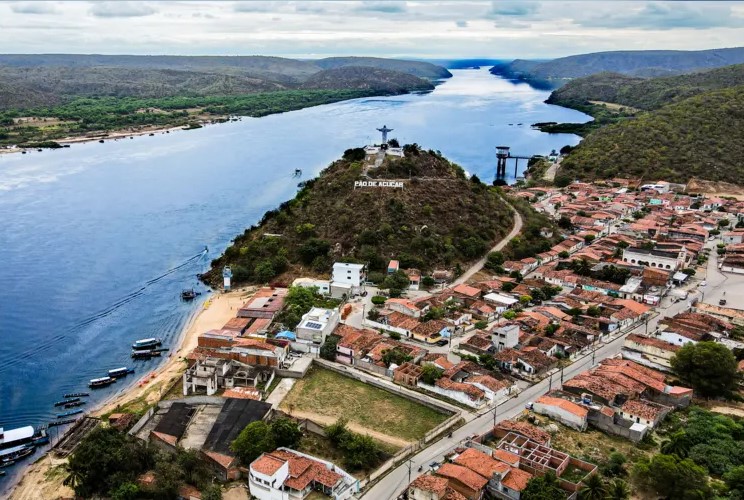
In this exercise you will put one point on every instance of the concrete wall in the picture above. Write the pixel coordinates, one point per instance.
(557, 413)
(616, 426)
(458, 396)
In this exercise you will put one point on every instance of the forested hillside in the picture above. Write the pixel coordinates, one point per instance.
(358, 77)
(439, 218)
(646, 63)
(644, 93)
(697, 137)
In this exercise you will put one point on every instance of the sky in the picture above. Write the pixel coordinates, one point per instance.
(391, 28)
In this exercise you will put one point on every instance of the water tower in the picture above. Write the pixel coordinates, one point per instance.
(502, 153)
(226, 276)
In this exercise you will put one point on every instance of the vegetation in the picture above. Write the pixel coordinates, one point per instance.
(331, 395)
(428, 223)
(530, 241)
(708, 367)
(543, 488)
(300, 300)
(359, 450)
(261, 437)
(108, 463)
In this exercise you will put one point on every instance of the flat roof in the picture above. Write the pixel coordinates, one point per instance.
(11, 435)
(174, 422)
(235, 415)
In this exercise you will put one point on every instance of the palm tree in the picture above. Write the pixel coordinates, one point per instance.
(677, 444)
(618, 489)
(593, 488)
(74, 477)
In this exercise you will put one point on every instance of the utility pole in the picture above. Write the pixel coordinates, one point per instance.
(495, 410)
(409, 464)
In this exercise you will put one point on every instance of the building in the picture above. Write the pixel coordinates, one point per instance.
(316, 325)
(661, 259)
(286, 474)
(467, 482)
(428, 487)
(347, 279)
(265, 303)
(505, 337)
(566, 412)
(323, 286)
(208, 375)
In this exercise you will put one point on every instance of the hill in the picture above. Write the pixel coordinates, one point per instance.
(557, 72)
(695, 137)
(439, 218)
(358, 77)
(644, 93)
(415, 68)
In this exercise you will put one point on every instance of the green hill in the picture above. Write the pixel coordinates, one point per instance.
(415, 68)
(358, 77)
(644, 93)
(439, 218)
(696, 137)
(558, 72)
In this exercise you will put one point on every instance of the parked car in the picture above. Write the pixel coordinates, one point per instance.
(722, 302)
(442, 342)
(529, 405)
(703, 283)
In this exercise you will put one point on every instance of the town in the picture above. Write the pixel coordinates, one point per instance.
(419, 385)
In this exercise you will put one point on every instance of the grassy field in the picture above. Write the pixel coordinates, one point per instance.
(329, 394)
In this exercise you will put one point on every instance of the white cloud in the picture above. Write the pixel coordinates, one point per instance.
(461, 24)
(33, 8)
(121, 9)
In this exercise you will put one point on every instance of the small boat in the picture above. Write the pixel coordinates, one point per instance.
(146, 343)
(66, 402)
(69, 413)
(16, 454)
(189, 294)
(2, 472)
(76, 395)
(120, 372)
(298, 172)
(74, 405)
(101, 141)
(101, 382)
(62, 422)
(140, 354)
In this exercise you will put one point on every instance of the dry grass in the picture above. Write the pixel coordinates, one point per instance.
(332, 395)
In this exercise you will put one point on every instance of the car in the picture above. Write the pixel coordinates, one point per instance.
(703, 283)
(722, 302)
(442, 342)
(529, 405)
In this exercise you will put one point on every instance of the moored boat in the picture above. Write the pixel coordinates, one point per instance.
(69, 413)
(120, 372)
(189, 294)
(76, 395)
(66, 402)
(73, 405)
(147, 343)
(101, 382)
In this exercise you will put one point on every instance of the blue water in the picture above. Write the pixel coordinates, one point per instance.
(89, 234)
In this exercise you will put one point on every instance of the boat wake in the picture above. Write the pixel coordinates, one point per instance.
(17, 358)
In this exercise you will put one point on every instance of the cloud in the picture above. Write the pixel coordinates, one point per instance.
(204, 15)
(121, 9)
(251, 6)
(461, 24)
(33, 8)
(390, 7)
(667, 16)
(514, 8)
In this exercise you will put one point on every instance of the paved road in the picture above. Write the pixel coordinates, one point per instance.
(500, 245)
(395, 482)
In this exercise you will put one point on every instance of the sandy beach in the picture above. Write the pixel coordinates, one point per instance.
(43, 479)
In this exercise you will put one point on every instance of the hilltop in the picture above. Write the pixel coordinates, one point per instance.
(359, 77)
(695, 137)
(644, 93)
(643, 63)
(439, 218)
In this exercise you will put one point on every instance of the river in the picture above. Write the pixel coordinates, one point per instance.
(98, 240)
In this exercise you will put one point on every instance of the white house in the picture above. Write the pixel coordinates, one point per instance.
(286, 474)
(655, 258)
(323, 286)
(505, 337)
(316, 325)
(566, 412)
(347, 279)
(499, 301)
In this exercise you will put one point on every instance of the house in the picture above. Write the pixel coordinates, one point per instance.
(494, 389)
(209, 374)
(407, 307)
(644, 412)
(323, 286)
(468, 483)
(291, 475)
(429, 487)
(534, 363)
(505, 337)
(408, 374)
(500, 302)
(479, 343)
(393, 266)
(265, 303)
(466, 394)
(316, 325)
(660, 259)
(649, 351)
(414, 279)
(566, 412)
(347, 279)
(466, 294)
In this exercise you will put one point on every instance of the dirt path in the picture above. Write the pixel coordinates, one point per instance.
(552, 170)
(501, 244)
(326, 420)
(37, 483)
(727, 410)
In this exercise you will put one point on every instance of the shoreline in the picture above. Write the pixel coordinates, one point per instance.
(37, 481)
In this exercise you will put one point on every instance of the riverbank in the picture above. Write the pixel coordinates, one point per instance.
(43, 479)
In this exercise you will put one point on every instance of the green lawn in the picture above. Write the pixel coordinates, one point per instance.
(331, 395)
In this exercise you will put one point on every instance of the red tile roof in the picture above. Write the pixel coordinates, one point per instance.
(469, 478)
(479, 462)
(431, 484)
(564, 404)
(516, 479)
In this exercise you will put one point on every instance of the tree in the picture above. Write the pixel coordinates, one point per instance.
(563, 254)
(589, 238)
(615, 465)
(481, 325)
(212, 492)
(593, 488)
(689, 271)
(393, 143)
(396, 281)
(126, 491)
(494, 260)
(428, 282)
(252, 441)
(525, 299)
(510, 315)
(671, 477)
(543, 488)
(378, 300)
(709, 367)
(734, 479)
(617, 489)
(508, 286)
(285, 432)
(593, 311)
(328, 349)
(360, 450)
(354, 154)
(264, 271)
(430, 374)
(565, 223)
(312, 249)
(395, 356)
(678, 444)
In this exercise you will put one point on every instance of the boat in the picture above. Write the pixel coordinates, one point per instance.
(66, 402)
(41, 436)
(189, 294)
(13, 440)
(298, 172)
(76, 395)
(142, 354)
(101, 382)
(146, 343)
(62, 422)
(120, 372)
(73, 405)
(69, 413)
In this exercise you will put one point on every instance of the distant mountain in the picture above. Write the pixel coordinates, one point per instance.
(695, 137)
(359, 77)
(416, 68)
(555, 73)
(644, 93)
(45, 79)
